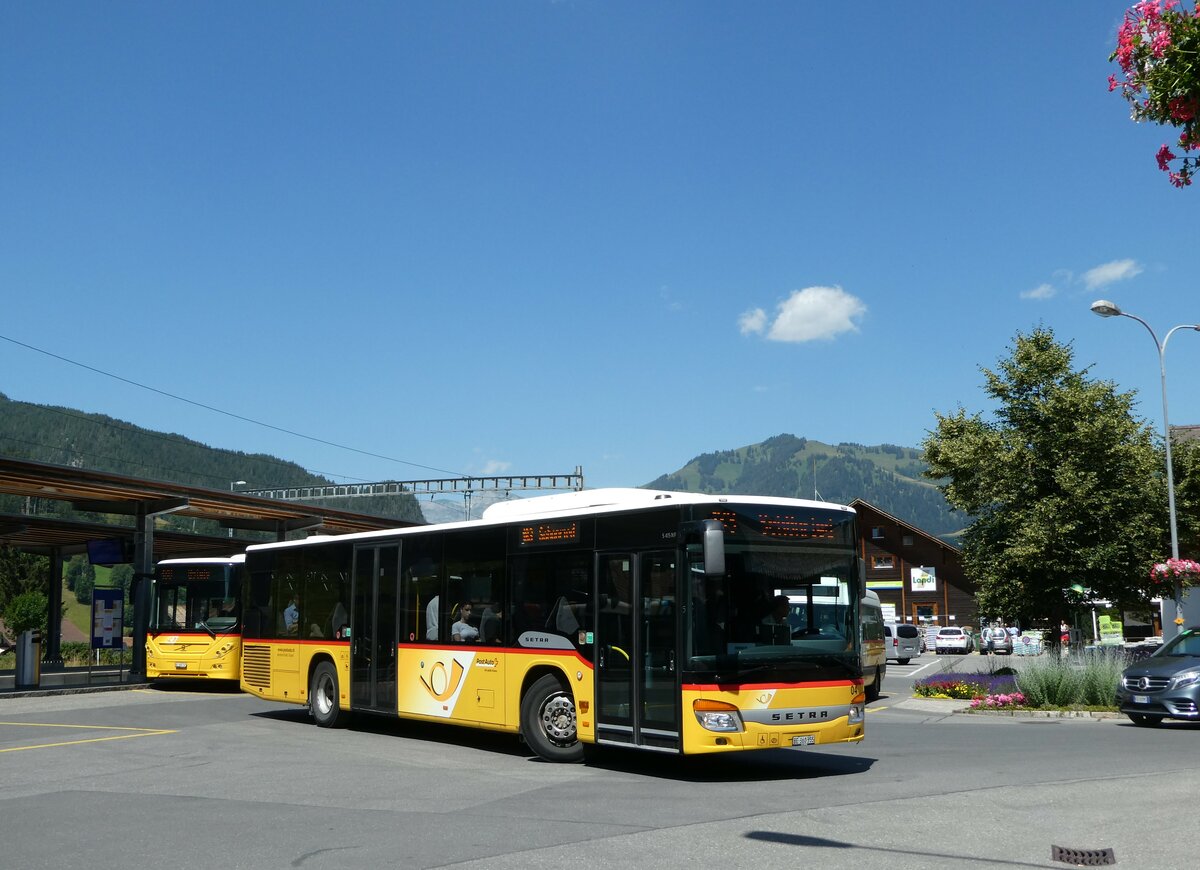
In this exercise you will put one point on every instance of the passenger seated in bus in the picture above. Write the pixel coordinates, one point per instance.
(431, 619)
(290, 615)
(462, 631)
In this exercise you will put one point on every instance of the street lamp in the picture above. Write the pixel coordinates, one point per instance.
(232, 484)
(1104, 308)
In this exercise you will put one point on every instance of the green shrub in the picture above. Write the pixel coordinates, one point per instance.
(1063, 682)
(26, 611)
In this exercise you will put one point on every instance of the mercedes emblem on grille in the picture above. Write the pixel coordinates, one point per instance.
(1144, 683)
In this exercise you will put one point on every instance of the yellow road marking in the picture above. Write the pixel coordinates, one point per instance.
(140, 732)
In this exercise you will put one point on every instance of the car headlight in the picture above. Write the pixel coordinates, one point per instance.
(1184, 679)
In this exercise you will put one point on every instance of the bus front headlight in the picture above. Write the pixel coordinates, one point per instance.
(856, 714)
(717, 715)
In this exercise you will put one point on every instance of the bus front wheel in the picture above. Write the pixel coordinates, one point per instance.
(876, 685)
(323, 697)
(548, 721)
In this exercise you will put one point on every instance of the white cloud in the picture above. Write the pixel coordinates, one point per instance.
(754, 320)
(808, 315)
(1110, 273)
(493, 467)
(1042, 291)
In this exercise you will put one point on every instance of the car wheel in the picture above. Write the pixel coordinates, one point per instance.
(903, 661)
(1145, 721)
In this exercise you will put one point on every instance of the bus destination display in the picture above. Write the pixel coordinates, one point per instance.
(550, 533)
(777, 524)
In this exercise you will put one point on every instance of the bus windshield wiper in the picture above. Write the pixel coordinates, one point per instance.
(204, 625)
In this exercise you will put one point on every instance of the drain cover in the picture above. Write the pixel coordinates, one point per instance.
(1083, 857)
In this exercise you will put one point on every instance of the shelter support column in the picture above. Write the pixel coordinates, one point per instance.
(143, 570)
(52, 645)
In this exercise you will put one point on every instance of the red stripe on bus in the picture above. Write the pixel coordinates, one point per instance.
(754, 687)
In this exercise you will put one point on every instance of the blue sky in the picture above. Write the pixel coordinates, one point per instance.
(513, 238)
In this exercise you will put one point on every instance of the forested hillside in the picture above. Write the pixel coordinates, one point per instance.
(64, 436)
(889, 477)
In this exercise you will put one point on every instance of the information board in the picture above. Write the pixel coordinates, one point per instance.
(107, 609)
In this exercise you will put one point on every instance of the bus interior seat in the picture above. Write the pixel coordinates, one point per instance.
(489, 626)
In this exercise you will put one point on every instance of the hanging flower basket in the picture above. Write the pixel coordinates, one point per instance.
(1157, 47)
(1186, 571)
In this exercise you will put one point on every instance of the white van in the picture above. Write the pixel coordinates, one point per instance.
(903, 641)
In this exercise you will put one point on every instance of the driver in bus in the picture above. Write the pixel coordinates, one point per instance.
(776, 628)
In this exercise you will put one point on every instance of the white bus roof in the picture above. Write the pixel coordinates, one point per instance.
(590, 500)
(565, 505)
(207, 560)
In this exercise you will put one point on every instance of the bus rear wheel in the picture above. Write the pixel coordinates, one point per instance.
(548, 721)
(323, 697)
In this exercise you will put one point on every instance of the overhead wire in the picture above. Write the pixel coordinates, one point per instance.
(122, 426)
(229, 413)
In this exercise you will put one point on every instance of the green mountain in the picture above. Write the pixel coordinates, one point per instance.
(889, 477)
(42, 433)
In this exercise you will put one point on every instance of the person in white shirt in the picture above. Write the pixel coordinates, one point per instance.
(462, 630)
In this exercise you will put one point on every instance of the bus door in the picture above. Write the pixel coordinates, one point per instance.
(637, 678)
(373, 628)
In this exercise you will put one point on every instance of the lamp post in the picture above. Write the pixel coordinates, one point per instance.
(232, 484)
(1104, 308)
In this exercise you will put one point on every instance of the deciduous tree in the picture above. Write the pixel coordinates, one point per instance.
(1063, 485)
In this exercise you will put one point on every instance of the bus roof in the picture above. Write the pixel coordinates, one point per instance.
(566, 505)
(207, 560)
(595, 500)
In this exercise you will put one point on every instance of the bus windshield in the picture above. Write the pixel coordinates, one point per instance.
(784, 608)
(195, 598)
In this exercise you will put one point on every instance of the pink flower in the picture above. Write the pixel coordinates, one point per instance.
(1164, 158)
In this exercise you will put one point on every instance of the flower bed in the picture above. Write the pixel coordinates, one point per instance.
(998, 702)
(964, 687)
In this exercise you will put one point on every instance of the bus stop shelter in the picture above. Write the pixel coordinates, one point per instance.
(144, 501)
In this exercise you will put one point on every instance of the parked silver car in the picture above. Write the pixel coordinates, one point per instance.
(997, 640)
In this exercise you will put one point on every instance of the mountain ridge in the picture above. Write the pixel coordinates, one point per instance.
(890, 477)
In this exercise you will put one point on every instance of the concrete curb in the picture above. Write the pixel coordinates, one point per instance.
(950, 706)
(1048, 714)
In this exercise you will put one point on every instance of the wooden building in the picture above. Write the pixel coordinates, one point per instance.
(918, 577)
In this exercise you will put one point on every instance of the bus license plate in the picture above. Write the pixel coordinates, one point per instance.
(181, 666)
(1141, 699)
(805, 740)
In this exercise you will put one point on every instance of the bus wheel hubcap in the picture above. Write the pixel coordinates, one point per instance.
(558, 719)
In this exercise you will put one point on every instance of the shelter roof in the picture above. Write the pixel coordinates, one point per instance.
(101, 492)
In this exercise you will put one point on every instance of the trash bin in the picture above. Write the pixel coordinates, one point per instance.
(29, 659)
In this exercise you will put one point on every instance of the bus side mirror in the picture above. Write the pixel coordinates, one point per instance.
(713, 542)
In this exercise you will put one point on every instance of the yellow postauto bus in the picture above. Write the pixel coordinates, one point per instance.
(195, 627)
(604, 617)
